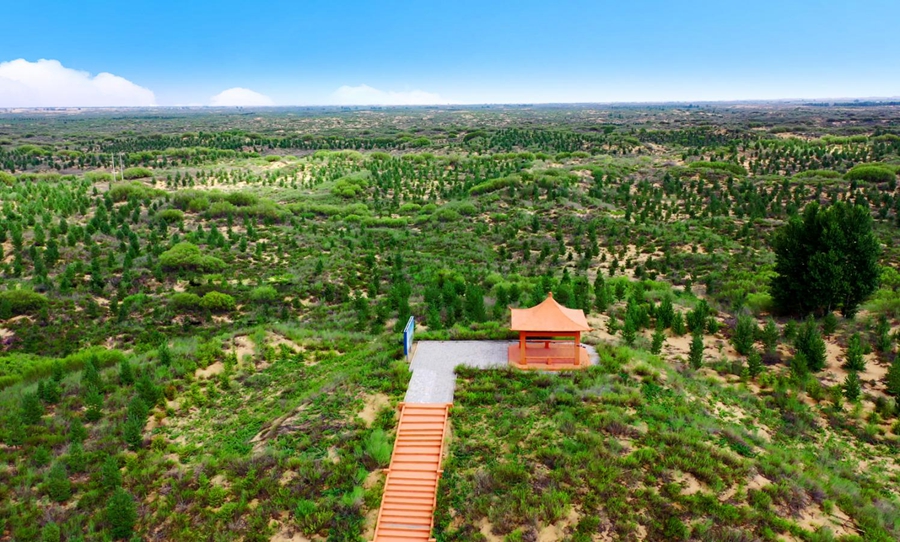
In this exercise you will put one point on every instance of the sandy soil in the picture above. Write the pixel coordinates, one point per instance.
(372, 404)
(212, 370)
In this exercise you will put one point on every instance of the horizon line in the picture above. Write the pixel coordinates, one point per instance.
(798, 101)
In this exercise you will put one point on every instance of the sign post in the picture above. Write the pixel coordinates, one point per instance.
(408, 337)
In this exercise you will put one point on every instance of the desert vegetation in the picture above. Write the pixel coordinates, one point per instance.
(202, 343)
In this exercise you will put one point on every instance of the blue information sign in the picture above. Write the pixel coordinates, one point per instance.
(408, 336)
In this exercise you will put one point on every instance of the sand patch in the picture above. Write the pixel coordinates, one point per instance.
(286, 477)
(242, 347)
(813, 517)
(689, 483)
(486, 529)
(370, 524)
(758, 482)
(213, 370)
(333, 455)
(557, 531)
(372, 404)
(373, 479)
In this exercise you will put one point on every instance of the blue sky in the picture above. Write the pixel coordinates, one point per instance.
(300, 53)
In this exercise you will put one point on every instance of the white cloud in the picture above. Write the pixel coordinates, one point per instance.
(47, 83)
(238, 96)
(366, 95)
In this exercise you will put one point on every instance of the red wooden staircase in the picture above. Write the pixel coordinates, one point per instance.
(410, 490)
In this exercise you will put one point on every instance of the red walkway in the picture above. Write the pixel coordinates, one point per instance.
(410, 491)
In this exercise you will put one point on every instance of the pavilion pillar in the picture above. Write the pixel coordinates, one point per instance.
(575, 346)
(522, 338)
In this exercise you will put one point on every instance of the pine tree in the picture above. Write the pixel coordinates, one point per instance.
(809, 342)
(770, 336)
(852, 387)
(31, 408)
(799, 366)
(629, 330)
(15, 429)
(133, 431)
(76, 459)
(474, 304)
(893, 378)
(855, 360)
(91, 376)
(678, 324)
(126, 372)
(659, 338)
(744, 335)
(883, 334)
(164, 354)
(57, 485)
(77, 431)
(666, 313)
(602, 298)
(150, 392)
(696, 353)
(754, 363)
(121, 513)
(93, 400)
(110, 475)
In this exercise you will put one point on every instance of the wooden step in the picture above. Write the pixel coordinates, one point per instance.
(410, 488)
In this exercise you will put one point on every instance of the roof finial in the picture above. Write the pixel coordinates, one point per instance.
(550, 295)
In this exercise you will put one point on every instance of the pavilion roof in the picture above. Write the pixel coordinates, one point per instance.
(549, 316)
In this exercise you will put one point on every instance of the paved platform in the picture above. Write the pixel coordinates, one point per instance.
(433, 379)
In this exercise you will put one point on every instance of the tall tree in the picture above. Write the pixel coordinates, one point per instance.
(825, 260)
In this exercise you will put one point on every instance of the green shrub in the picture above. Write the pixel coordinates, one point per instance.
(198, 204)
(378, 449)
(241, 199)
(492, 185)
(137, 173)
(220, 209)
(99, 177)
(731, 167)
(51, 533)
(187, 257)
(7, 178)
(310, 518)
(184, 301)
(170, 215)
(217, 302)
(126, 191)
(264, 295)
(17, 367)
(21, 301)
(352, 185)
(871, 174)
